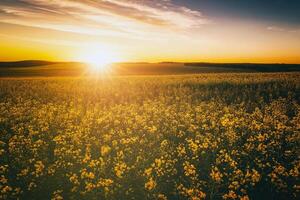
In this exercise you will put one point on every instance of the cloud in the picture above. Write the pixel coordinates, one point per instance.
(280, 29)
(275, 28)
(121, 18)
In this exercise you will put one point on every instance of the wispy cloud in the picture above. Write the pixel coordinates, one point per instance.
(280, 29)
(124, 18)
(275, 28)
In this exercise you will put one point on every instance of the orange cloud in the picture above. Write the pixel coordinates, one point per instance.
(106, 17)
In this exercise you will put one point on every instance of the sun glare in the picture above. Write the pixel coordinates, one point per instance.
(99, 61)
(98, 58)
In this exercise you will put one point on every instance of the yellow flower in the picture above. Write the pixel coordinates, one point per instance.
(216, 175)
(189, 169)
(255, 176)
(74, 179)
(105, 150)
(150, 185)
(148, 171)
(201, 195)
(31, 186)
(105, 182)
(85, 174)
(181, 150)
(120, 169)
(39, 167)
(230, 195)
(3, 180)
(89, 186)
(245, 198)
(57, 195)
(161, 197)
(6, 189)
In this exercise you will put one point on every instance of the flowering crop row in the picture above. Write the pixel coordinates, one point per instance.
(210, 136)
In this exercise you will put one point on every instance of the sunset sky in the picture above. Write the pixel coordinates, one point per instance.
(151, 30)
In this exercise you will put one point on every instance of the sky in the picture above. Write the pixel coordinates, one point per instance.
(261, 31)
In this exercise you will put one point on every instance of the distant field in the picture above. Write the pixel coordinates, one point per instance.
(48, 69)
(60, 69)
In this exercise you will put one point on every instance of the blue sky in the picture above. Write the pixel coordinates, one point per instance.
(274, 11)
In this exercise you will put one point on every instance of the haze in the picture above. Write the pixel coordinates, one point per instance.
(151, 30)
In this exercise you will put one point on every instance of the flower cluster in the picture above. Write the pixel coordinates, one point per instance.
(209, 136)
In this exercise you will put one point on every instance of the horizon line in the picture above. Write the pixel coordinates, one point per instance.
(146, 62)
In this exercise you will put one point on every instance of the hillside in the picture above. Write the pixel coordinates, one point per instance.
(50, 69)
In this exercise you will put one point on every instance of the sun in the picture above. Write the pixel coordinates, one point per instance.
(98, 58)
(99, 61)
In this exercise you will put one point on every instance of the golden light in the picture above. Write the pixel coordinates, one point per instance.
(98, 58)
(99, 62)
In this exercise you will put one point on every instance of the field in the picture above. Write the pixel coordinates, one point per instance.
(204, 136)
(72, 69)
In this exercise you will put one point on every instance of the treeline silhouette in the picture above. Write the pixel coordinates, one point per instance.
(256, 67)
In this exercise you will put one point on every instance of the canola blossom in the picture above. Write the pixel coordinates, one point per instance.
(208, 136)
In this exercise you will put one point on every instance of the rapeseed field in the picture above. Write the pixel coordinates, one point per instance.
(206, 136)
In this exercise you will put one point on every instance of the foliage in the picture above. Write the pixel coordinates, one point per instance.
(210, 136)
